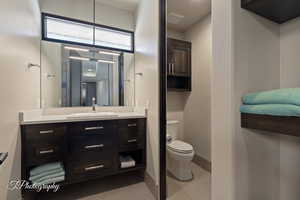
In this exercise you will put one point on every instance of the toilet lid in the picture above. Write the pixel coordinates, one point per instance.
(180, 147)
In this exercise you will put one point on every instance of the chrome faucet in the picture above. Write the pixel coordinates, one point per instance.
(94, 103)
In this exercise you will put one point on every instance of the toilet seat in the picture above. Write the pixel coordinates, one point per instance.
(180, 147)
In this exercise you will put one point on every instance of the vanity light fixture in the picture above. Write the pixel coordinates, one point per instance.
(109, 53)
(106, 61)
(77, 49)
(79, 58)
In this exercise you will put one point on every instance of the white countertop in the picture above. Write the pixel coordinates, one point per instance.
(27, 118)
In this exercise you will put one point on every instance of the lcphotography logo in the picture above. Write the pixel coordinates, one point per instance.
(22, 184)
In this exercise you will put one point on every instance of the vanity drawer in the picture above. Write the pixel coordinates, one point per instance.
(91, 144)
(44, 132)
(131, 133)
(91, 169)
(37, 154)
(104, 128)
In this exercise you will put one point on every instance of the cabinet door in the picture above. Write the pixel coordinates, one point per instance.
(179, 58)
(181, 61)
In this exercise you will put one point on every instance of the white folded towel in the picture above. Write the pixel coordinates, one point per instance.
(127, 162)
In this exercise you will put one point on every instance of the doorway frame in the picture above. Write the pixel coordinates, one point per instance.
(162, 99)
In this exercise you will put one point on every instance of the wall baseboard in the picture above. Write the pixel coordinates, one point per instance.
(150, 182)
(202, 162)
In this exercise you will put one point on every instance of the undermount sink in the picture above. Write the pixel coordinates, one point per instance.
(92, 115)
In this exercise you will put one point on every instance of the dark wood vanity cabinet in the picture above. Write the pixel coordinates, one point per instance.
(43, 143)
(179, 65)
(88, 150)
(131, 134)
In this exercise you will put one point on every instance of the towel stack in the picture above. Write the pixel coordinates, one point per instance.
(127, 162)
(47, 174)
(281, 102)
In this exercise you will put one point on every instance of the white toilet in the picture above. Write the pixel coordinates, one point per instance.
(179, 154)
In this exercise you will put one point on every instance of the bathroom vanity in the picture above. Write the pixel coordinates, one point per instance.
(89, 148)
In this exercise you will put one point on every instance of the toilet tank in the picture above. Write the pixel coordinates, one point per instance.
(173, 129)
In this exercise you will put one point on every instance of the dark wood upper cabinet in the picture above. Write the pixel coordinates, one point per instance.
(179, 57)
(278, 11)
(179, 65)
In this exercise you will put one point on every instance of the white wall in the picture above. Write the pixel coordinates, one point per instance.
(264, 56)
(197, 110)
(175, 109)
(256, 68)
(289, 54)
(83, 10)
(129, 78)
(186, 107)
(51, 62)
(175, 34)
(114, 17)
(147, 85)
(176, 100)
(19, 89)
(222, 96)
(289, 77)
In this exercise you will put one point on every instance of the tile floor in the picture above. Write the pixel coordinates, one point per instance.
(197, 189)
(128, 187)
(122, 187)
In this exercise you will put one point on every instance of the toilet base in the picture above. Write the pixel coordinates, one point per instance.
(174, 177)
(181, 169)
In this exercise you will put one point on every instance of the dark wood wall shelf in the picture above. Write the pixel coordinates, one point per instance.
(276, 124)
(279, 11)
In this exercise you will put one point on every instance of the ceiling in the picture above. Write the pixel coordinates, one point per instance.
(129, 5)
(186, 13)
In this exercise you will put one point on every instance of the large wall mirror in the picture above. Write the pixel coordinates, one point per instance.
(87, 53)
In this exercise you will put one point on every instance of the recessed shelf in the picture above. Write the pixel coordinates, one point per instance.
(276, 124)
(179, 84)
(279, 11)
(137, 167)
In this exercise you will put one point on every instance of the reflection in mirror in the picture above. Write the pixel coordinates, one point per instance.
(73, 75)
(189, 68)
(79, 64)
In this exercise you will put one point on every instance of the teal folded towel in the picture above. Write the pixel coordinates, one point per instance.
(280, 96)
(50, 172)
(50, 181)
(272, 109)
(46, 177)
(44, 168)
